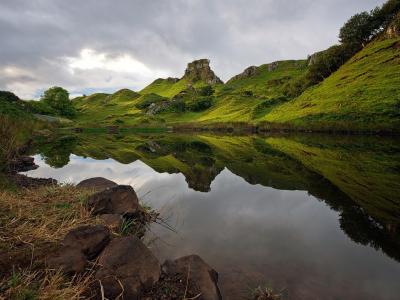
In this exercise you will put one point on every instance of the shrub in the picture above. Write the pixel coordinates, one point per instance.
(201, 104)
(8, 96)
(207, 91)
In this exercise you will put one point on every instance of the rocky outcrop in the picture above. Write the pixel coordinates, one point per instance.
(121, 200)
(127, 267)
(200, 70)
(200, 273)
(96, 183)
(249, 72)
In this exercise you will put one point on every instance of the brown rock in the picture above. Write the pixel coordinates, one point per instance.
(200, 273)
(112, 221)
(128, 262)
(120, 200)
(69, 260)
(97, 183)
(90, 240)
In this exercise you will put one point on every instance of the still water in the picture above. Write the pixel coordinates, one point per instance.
(313, 217)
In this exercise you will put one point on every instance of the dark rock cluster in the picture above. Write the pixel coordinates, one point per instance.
(124, 267)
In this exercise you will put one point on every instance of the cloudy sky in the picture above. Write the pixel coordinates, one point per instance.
(104, 45)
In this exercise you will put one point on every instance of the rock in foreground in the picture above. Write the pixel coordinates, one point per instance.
(128, 262)
(200, 273)
(121, 200)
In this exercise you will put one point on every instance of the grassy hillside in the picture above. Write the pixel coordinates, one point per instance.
(363, 94)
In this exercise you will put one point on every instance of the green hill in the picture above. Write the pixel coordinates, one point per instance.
(363, 94)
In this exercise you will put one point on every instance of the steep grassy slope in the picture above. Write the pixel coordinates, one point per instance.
(363, 94)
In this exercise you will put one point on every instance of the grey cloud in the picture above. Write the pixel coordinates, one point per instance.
(37, 35)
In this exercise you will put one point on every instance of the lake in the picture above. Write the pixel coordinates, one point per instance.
(316, 217)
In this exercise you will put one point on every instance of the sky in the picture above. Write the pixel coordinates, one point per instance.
(105, 45)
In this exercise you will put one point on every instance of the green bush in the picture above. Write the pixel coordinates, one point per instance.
(207, 91)
(200, 104)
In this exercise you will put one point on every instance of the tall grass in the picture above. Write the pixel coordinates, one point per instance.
(9, 139)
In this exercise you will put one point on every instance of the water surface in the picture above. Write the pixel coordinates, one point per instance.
(315, 217)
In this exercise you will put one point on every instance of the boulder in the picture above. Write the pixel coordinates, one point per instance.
(112, 221)
(97, 183)
(120, 199)
(200, 274)
(69, 260)
(23, 164)
(127, 267)
(90, 240)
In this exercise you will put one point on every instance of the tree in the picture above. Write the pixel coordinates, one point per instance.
(58, 99)
(8, 96)
(358, 30)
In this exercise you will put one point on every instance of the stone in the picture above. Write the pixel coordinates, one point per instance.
(120, 199)
(200, 274)
(97, 183)
(23, 164)
(112, 221)
(200, 70)
(248, 72)
(90, 240)
(128, 262)
(69, 260)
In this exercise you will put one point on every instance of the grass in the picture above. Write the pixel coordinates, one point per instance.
(363, 94)
(32, 223)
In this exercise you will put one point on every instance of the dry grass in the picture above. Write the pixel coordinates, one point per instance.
(8, 138)
(32, 222)
(44, 285)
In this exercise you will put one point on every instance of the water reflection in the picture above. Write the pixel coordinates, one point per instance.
(260, 209)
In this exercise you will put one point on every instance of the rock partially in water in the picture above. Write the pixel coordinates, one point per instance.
(23, 164)
(120, 199)
(30, 182)
(128, 262)
(97, 183)
(200, 274)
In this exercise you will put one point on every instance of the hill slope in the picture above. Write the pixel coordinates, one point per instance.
(363, 94)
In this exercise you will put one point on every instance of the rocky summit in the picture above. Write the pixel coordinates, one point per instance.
(200, 70)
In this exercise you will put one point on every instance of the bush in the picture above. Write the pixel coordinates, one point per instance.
(8, 96)
(207, 91)
(178, 105)
(201, 104)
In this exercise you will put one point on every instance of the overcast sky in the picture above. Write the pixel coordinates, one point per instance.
(88, 46)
